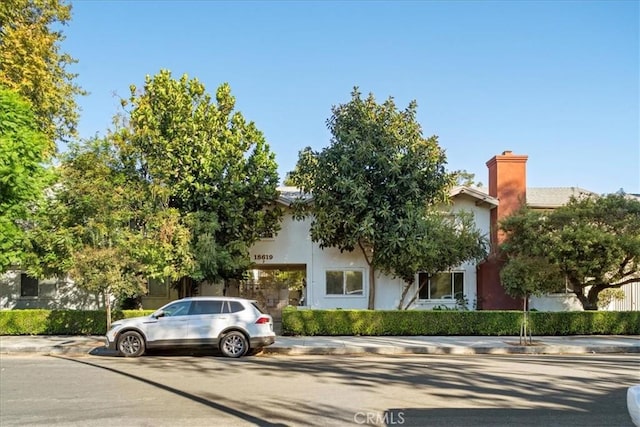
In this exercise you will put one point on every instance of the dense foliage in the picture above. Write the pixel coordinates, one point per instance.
(32, 64)
(204, 160)
(59, 322)
(450, 322)
(24, 154)
(355, 322)
(181, 189)
(592, 243)
(376, 188)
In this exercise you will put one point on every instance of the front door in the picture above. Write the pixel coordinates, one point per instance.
(172, 327)
(207, 320)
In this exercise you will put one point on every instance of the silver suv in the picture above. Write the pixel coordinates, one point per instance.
(233, 325)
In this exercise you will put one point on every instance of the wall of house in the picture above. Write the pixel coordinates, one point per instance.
(293, 245)
(52, 294)
(555, 302)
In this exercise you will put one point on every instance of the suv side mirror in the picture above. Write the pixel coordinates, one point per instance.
(158, 314)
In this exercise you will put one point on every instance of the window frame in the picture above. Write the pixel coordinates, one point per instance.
(23, 278)
(427, 286)
(345, 293)
(186, 312)
(157, 283)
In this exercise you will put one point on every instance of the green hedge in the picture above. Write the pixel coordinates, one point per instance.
(356, 322)
(60, 322)
(445, 322)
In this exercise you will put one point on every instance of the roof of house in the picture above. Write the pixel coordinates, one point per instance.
(289, 194)
(475, 193)
(554, 197)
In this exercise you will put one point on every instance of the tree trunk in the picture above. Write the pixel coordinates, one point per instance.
(372, 276)
(414, 298)
(372, 288)
(592, 296)
(405, 291)
(590, 301)
(107, 304)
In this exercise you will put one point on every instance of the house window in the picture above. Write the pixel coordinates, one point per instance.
(345, 282)
(28, 286)
(157, 288)
(449, 285)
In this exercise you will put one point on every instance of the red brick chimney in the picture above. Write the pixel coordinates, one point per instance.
(507, 183)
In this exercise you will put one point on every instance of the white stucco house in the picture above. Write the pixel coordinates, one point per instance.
(340, 280)
(331, 279)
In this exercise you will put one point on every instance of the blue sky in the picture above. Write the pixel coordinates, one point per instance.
(556, 80)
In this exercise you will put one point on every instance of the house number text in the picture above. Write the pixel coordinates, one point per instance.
(263, 257)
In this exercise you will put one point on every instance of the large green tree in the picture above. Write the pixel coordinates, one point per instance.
(593, 243)
(212, 166)
(373, 186)
(24, 154)
(32, 63)
(103, 226)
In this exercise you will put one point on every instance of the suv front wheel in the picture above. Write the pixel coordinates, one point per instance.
(131, 344)
(234, 344)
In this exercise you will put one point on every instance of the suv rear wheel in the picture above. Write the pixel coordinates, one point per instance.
(234, 344)
(131, 344)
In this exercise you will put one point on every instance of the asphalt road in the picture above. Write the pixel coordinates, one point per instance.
(186, 390)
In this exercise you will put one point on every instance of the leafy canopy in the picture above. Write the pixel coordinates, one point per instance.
(592, 242)
(373, 186)
(32, 64)
(24, 154)
(102, 226)
(207, 162)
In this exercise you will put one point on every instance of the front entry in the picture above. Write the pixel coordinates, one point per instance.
(273, 287)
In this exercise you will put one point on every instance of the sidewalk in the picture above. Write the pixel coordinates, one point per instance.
(343, 345)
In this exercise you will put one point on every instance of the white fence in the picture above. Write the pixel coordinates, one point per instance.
(631, 301)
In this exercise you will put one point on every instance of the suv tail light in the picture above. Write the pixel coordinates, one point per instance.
(262, 320)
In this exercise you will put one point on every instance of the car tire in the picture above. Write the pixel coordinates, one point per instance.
(234, 344)
(131, 344)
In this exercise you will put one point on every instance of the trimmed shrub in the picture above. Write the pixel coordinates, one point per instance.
(449, 322)
(356, 322)
(60, 322)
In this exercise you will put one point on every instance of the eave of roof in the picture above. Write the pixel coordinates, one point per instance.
(287, 195)
(480, 196)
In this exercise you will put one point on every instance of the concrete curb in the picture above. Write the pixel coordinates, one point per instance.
(344, 346)
(457, 351)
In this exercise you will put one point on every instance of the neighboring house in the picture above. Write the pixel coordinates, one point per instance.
(291, 269)
(18, 291)
(546, 199)
(507, 183)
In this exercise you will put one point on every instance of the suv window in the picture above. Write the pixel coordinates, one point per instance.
(180, 308)
(206, 307)
(232, 307)
(257, 308)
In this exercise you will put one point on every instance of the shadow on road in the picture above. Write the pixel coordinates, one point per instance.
(210, 402)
